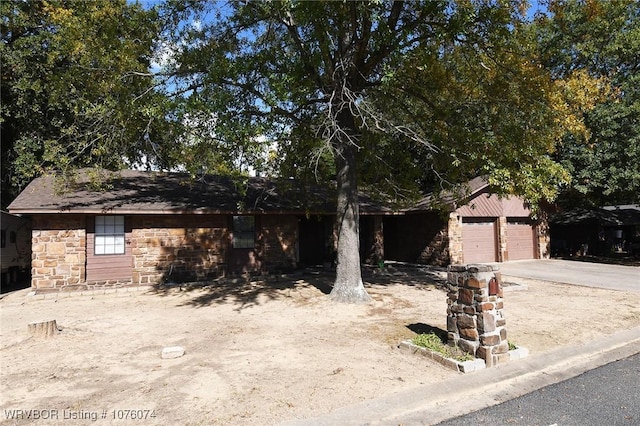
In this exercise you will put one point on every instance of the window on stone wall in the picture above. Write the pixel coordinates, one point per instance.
(244, 231)
(109, 235)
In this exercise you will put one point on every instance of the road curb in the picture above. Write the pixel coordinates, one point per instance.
(431, 404)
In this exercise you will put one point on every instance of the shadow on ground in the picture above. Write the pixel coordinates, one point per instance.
(249, 291)
(408, 274)
(244, 291)
(422, 328)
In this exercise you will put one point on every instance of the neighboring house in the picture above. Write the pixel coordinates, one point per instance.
(596, 231)
(15, 247)
(147, 228)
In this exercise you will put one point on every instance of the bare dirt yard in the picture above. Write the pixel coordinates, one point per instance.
(256, 352)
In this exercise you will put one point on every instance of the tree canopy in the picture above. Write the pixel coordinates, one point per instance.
(393, 95)
(76, 87)
(400, 97)
(601, 39)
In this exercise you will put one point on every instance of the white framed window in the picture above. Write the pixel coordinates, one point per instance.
(109, 235)
(244, 231)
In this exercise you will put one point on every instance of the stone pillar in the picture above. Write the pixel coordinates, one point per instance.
(454, 234)
(378, 246)
(475, 320)
(503, 249)
(543, 239)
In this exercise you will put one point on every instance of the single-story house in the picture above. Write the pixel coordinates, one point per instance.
(145, 228)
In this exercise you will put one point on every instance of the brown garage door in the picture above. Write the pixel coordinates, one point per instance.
(479, 242)
(520, 241)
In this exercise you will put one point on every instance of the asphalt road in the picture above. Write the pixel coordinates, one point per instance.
(613, 277)
(607, 395)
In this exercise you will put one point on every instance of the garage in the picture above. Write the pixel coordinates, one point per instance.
(520, 240)
(479, 240)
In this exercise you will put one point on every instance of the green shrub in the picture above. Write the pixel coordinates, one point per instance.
(432, 342)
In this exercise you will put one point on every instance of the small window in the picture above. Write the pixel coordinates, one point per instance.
(244, 231)
(109, 236)
(3, 239)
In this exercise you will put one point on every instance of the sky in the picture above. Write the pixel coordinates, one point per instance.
(535, 5)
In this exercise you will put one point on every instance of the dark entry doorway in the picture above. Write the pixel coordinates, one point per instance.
(314, 241)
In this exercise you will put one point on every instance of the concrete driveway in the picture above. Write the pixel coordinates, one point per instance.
(613, 277)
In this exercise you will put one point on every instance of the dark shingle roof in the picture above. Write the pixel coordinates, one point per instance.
(139, 192)
(595, 216)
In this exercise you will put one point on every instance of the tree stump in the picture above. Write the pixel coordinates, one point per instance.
(43, 328)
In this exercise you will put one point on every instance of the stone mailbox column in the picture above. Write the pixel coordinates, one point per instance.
(475, 320)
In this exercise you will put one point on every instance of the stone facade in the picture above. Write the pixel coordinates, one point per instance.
(164, 248)
(475, 318)
(178, 248)
(276, 243)
(417, 238)
(371, 239)
(503, 246)
(58, 251)
(195, 247)
(543, 238)
(454, 231)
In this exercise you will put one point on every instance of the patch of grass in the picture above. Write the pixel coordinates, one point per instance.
(432, 342)
(512, 346)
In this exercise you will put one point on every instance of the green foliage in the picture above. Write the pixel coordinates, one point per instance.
(489, 108)
(436, 93)
(432, 342)
(600, 38)
(394, 96)
(76, 87)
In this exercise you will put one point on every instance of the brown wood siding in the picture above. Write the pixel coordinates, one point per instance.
(482, 205)
(479, 241)
(515, 207)
(520, 241)
(490, 205)
(108, 267)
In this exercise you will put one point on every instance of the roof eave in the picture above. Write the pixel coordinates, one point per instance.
(187, 211)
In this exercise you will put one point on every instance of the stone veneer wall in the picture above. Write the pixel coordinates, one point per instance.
(503, 254)
(371, 240)
(543, 239)
(417, 238)
(276, 243)
(178, 248)
(454, 230)
(164, 247)
(376, 253)
(58, 246)
(475, 318)
(437, 252)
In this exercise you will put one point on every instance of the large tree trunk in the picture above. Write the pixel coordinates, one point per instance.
(348, 287)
